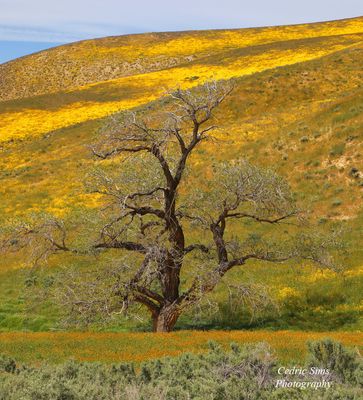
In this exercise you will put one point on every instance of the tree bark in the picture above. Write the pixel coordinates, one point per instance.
(165, 320)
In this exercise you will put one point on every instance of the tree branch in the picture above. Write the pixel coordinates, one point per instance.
(259, 219)
(150, 294)
(131, 246)
(243, 259)
(146, 210)
(154, 309)
(155, 150)
(200, 247)
(119, 150)
(141, 194)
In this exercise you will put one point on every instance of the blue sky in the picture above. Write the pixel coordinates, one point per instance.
(27, 26)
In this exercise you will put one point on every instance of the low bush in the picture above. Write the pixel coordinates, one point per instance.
(336, 203)
(337, 150)
(248, 372)
(334, 356)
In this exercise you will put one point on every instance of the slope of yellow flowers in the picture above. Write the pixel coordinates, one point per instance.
(30, 120)
(68, 67)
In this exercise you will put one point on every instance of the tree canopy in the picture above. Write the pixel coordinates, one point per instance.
(153, 208)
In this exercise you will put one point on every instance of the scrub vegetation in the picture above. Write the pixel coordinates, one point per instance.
(247, 372)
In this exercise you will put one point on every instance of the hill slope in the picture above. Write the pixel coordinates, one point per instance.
(297, 105)
(90, 61)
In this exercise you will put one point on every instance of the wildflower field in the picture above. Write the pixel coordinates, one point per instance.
(289, 346)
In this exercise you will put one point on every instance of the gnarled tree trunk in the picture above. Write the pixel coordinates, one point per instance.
(165, 319)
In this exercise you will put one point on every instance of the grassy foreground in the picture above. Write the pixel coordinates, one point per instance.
(137, 347)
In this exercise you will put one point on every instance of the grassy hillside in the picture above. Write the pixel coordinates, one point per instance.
(297, 105)
(91, 61)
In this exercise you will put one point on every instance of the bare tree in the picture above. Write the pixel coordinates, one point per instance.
(155, 207)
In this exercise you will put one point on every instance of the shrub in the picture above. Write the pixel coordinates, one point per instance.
(318, 296)
(248, 372)
(354, 172)
(336, 202)
(316, 135)
(7, 364)
(329, 354)
(337, 150)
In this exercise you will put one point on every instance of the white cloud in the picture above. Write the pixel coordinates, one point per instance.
(31, 34)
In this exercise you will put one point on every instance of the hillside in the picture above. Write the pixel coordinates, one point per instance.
(91, 61)
(297, 105)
